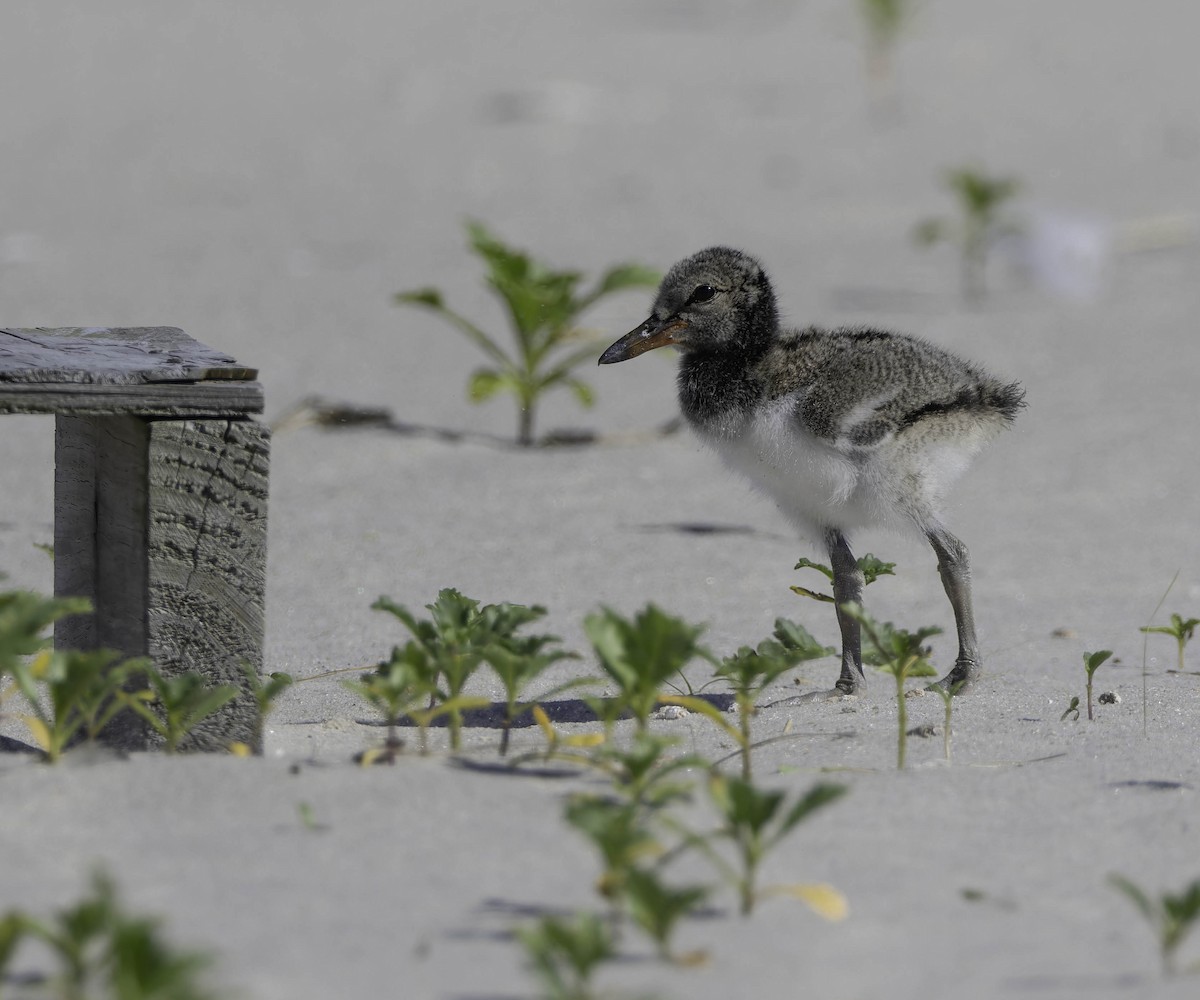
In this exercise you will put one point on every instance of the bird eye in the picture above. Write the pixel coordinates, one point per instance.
(703, 293)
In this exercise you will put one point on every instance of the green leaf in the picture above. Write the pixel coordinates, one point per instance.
(429, 297)
(819, 567)
(484, 384)
(817, 797)
(583, 392)
(1092, 661)
(930, 231)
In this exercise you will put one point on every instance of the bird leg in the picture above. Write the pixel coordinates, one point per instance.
(955, 570)
(847, 588)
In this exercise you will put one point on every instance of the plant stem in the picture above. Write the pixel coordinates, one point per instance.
(525, 424)
(902, 718)
(745, 707)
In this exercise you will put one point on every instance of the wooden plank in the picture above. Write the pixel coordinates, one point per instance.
(164, 399)
(112, 356)
(150, 371)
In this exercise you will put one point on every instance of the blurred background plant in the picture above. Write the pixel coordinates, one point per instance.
(884, 22)
(979, 225)
(543, 307)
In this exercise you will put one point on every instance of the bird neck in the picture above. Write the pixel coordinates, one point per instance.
(718, 388)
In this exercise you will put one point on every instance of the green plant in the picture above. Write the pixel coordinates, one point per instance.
(657, 908)
(1181, 630)
(1171, 916)
(947, 695)
(174, 705)
(884, 21)
(620, 830)
(980, 224)
(755, 821)
(1072, 709)
(640, 655)
(646, 774)
(394, 688)
(870, 567)
(566, 953)
(1091, 663)
(83, 692)
(518, 660)
(543, 308)
(749, 672)
(24, 616)
(458, 637)
(101, 951)
(897, 652)
(621, 834)
(266, 691)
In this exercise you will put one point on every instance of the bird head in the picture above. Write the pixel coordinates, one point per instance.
(714, 301)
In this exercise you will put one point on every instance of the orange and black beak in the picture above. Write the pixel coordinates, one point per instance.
(651, 334)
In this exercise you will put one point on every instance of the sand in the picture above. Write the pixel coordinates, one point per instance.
(267, 178)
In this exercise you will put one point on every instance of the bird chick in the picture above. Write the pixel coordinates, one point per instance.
(844, 429)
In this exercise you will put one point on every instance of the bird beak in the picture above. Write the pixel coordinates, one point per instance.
(651, 334)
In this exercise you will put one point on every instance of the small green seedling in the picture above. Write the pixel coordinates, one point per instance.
(1072, 709)
(395, 688)
(565, 953)
(1091, 663)
(543, 309)
(519, 660)
(947, 695)
(657, 909)
(647, 773)
(1171, 916)
(457, 638)
(897, 652)
(173, 706)
(870, 567)
(100, 951)
(640, 655)
(1181, 630)
(266, 691)
(980, 224)
(621, 834)
(884, 21)
(558, 745)
(82, 694)
(24, 617)
(755, 821)
(749, 672)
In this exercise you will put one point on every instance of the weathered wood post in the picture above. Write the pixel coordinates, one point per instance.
(160, 504)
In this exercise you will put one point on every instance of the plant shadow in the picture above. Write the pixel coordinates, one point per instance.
(563, 711)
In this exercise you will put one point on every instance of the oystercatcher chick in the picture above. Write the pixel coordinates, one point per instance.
(844, 429)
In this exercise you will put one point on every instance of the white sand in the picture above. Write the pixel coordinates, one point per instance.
(266, 178)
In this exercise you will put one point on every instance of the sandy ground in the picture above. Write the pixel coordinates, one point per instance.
(265, 177)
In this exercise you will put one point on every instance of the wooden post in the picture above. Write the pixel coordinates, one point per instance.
(160, 505)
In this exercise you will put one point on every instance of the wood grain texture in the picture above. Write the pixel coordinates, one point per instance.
(112, 355)
(163, 524)
(207, 538)
(164, 399)
(151, 371)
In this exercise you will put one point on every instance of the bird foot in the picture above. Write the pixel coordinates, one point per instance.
(960, 680)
